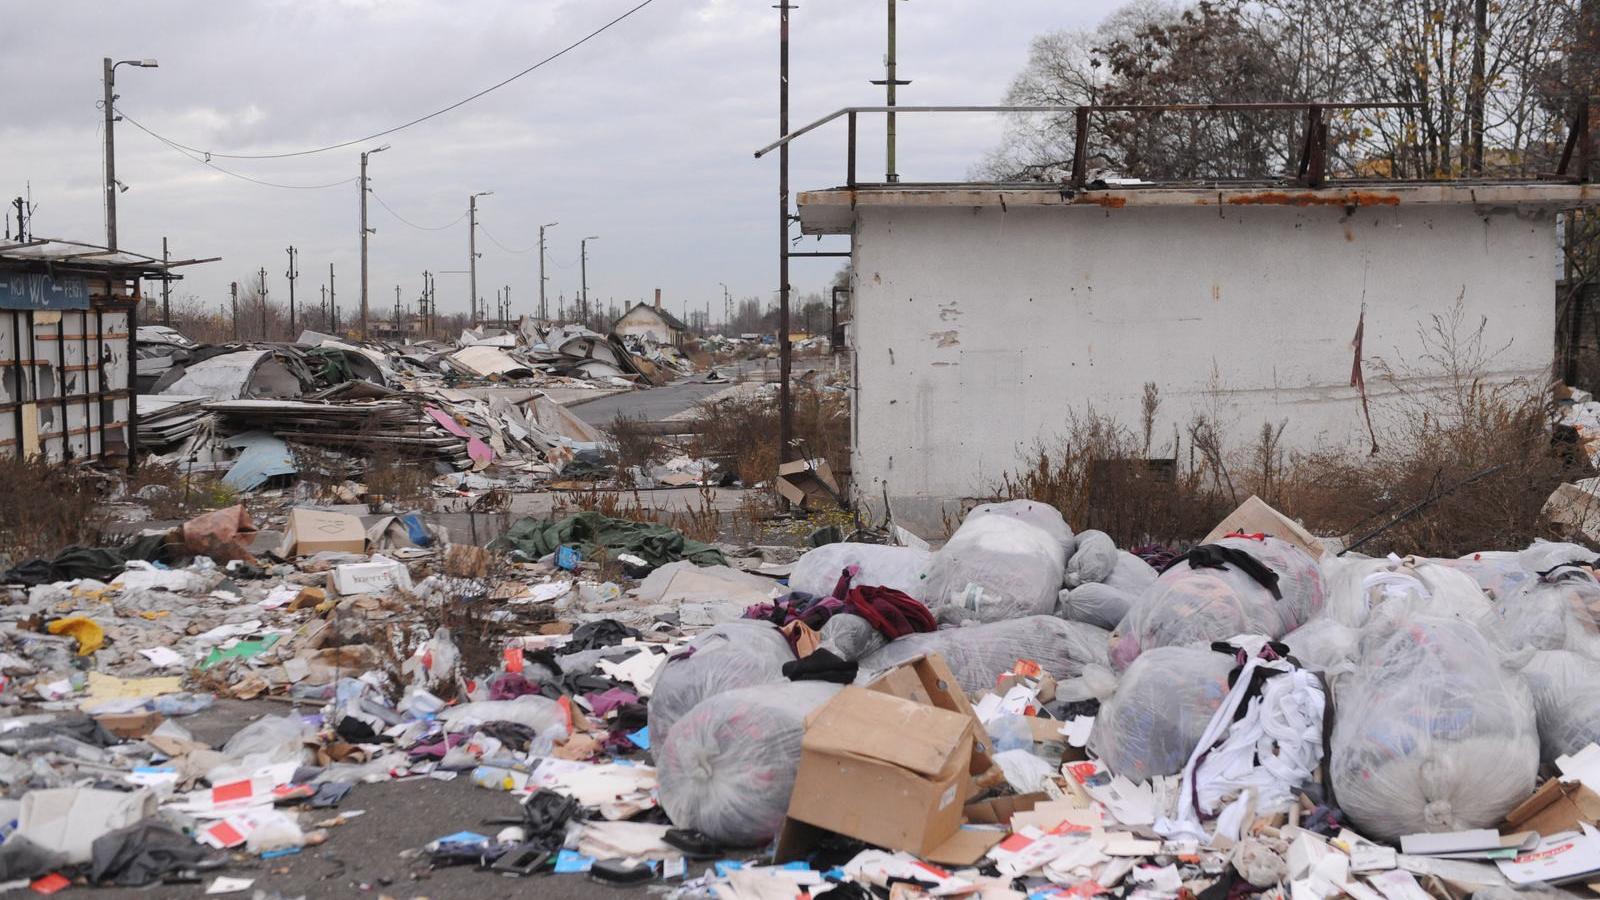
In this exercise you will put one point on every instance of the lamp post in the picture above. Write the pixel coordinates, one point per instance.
(583, 274)
(112, 186)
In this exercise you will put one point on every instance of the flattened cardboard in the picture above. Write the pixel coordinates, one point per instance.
(884, 769)
(1555, 807)
(1254, 516)
(999, 810)
(131, 726)
(1556, 860)
(928, 680)
(807, 483)
(311, 531)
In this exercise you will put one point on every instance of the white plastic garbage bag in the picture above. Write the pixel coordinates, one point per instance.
(1131, 574)
(1093, 560)
(1498, 573)
(730, 766)
(1556, 611)
(1100, 605)
(903, 568)
(1431, 732)
(1161, 707)
(849, 637)
(999, 565)
(541, 714)
(1188, 605)
(684, 682)
(979, 654)
(1324, 645)
(1566, 704)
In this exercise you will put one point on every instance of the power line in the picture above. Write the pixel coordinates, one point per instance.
(179, 149)
(497, 243)
(420, 119)
(407, 221)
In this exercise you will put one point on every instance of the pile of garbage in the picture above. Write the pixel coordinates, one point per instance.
(1026, 710)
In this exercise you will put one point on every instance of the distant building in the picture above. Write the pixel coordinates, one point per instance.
(652, 322)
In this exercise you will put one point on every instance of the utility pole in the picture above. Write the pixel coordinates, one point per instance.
(727, 307)
(233, 289)
(506, 316)
(166, 288)
(325, 320)
(333, 300)
(544, 308)
(1476, 90)
(890, 82)
(583, 275)
(112, 187)
(364, 232)
(472, 253)
(263, 299)
(292, 274)
(785, 413)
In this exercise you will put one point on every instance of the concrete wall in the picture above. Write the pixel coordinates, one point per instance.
(643, 322)
(978, 331)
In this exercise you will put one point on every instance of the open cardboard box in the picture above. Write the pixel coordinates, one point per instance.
(1254, 516)
(1555, 807)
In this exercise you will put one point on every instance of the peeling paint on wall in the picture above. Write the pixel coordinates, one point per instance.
(946, 338)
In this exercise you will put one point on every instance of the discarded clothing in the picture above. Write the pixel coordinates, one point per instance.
(891, 612)
(1217, 556)
(594, 635)
(142, 853)
(99, 563)
(593, 532)
(822, 665)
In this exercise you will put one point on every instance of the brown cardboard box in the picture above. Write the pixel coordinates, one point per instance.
(314, 530)
(1255, 516)
(131, 726)
(928, 679)
(1555, 807)
(999, 810)
(885, 770)
(803, 484)
(1046, 684)
(466, 561)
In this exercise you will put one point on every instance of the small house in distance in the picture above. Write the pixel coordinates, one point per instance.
(651, 322)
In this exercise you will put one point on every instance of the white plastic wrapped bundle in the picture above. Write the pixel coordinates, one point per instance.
(1187, 605)
(1131, 574)
(1359, 589)
(1000, 564)
(1558, 611)
(729, 768)
(746, 634)
(1498, 573)
(1093, 560)
(1161, 707)
(1565, 703)
(1324, 645)
(1542, 555)
(849, 637)
(979, 654)
(1431, 732)
(1100, 605)
(903, 568)
(681, 684)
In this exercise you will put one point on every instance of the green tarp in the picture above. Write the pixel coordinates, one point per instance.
(656, 544)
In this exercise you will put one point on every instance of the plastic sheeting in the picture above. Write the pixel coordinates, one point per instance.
(1161, 707)
(1431, 734)
(1007, 560)
(979, 654)
(1092, 560)
(730, 765)
(1186, 605)
(1566, 704)
(1558, 611)
(681, 684)
(903, 568)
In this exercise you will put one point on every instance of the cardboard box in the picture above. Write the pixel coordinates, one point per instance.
(373, 577)
(466, 561)
(1555, 807)
(315, 530)
(1558, 860)
(928, 679)
(885, 770)
(1044, 682)
(999, 810)
(131, 726)
(1254, 516)
(808, 483)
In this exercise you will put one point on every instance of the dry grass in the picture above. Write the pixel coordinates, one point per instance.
(638, 446)
(742, 432)
(48, 507)
(169, 492)
(405, 482)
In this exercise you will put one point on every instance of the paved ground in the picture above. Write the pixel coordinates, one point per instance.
(657, 404)
(364, 856)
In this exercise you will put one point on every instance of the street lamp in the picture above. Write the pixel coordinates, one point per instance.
(112, 185)
(472, 250)
(583, 270)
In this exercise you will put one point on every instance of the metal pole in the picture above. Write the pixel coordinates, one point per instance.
(333, 300)
(785, 413)
(583, 281)
(363, 245)
(111, 157)
(166, 288)
(544, 310)
(292, 274)
(891, 175)
(233, 290)
(472, 259)
(263, 301)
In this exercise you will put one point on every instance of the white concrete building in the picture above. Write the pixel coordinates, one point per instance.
(985, 315)
(652, 322)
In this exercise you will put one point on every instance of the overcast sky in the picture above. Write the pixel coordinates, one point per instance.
(642, 136)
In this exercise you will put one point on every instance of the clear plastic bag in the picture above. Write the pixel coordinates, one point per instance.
(730, 766)
(1361, 588)
(979, 654)
(1558, 611)
(1498, 573)
(1093, 560)
(903, 568)
(541, 714)
(1131, 574)
(1040, 515)
(999, 565)
(849, 637)
(1324, 645)
(1161, 707)
(746, 634)
(1431, 732)
(681, 684)
(1187, 605)
(1100, 605)
(1565, 703)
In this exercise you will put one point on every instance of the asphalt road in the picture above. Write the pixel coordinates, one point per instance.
(366, 857)
(656, 404)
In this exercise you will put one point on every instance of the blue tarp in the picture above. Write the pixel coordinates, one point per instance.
(264, 456)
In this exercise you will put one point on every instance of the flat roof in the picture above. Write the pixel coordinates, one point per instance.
(832, 211)
(81, 257)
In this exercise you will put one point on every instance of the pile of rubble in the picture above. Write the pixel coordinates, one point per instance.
(1024, 711)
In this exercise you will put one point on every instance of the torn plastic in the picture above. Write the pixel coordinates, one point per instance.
(730, 766)
(979, 654)
(1431, 733)
(1000, 564)
(1161, 707)
(1189, 605)
(903, 568)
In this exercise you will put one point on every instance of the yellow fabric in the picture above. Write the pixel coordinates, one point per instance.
(91, 637)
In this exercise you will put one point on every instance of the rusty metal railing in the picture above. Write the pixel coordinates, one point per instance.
(1311, 169)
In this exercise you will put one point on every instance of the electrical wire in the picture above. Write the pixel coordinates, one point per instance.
(178, 148)
(496, 242)
(417, 121)
(407, 221)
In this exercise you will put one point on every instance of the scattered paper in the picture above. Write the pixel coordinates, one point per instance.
(162, 657)
(226, 885)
